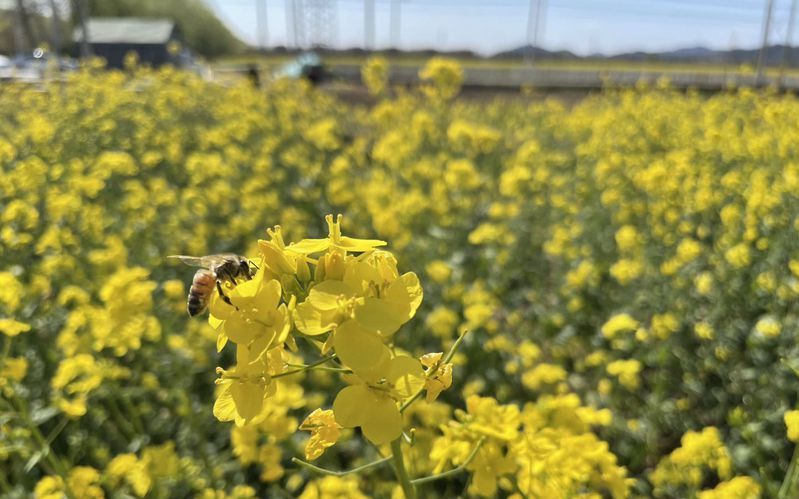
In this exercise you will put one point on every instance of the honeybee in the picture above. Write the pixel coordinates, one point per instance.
(215, 270)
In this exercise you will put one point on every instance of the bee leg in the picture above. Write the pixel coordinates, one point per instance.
(224, 297)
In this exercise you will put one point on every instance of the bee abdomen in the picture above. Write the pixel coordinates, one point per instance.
(201, 287)
(196, 304)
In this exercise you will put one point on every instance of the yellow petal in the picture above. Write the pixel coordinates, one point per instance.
(359, 274)
(219, 309)
(349, 406)
(358, 245)
(248, 397)
(215, 322)
(407, 375)
(224, 407)
(357, 348)
(282, 324)
(384, 421)
(221, 341)
(308, 246)
(244, 292)
(240, 330)
(268, 296)
(405, 294)
(275, 258)
(325, 295)
(309, 320)
(379, 316)
(431, 359)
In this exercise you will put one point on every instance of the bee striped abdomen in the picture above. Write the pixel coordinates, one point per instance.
(201, 288)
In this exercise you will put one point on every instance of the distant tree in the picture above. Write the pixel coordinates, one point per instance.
(203, 31)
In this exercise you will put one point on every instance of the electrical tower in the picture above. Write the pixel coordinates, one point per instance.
(315, 23)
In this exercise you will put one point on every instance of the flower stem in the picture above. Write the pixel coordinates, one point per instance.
(306, 368)
(788, 488)
(50, 457)
(323, 471)
(399, 469)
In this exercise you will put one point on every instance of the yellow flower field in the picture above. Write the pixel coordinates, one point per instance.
(521, 299)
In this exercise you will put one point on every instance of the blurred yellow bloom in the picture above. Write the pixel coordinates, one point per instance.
(331, 487)
(792, 423)
(617, 324)
(740, 487)
(127, 469)
(50, 487)
(10, 327)
(84, 481)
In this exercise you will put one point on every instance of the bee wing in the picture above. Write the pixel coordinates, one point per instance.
(195, 261)
(208, 261)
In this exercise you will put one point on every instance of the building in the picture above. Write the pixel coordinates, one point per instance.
(156, 41)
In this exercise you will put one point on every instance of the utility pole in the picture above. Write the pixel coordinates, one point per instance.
(535, 19)
(396, 20)
(261, 23)
(83, 19)
(56, 29)
(25, 26)
(761, 58)
(369, 24)
(19, 36)
(788, 40)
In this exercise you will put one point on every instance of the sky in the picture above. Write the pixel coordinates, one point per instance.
(488, 26)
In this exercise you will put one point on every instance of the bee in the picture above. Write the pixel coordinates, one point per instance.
(214, 271)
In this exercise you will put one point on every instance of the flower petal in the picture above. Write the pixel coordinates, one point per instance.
(224, 407)
(248, 397)
(308, 246)
(309, 320)
(379, 316)
(384, 422)
(358, 348)
(267, 297)
(350, 404)
(358, 245)
(325, 295)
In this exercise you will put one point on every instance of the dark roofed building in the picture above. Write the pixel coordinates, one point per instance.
(113, 37)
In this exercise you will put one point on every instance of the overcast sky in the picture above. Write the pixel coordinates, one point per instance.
(485, 26)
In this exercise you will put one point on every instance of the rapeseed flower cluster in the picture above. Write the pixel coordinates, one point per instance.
(626, 268)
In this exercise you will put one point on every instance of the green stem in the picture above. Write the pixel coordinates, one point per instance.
(323, 471)
(119, 419)
(454, 347)
(135, 418)
(55, 463)
(4, 486)
(453, 471)
(788, 488)
(57, 430)
(308, 367)
(6, 349)
(399, 469)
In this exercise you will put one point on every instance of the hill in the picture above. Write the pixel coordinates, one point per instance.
(773, 55)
